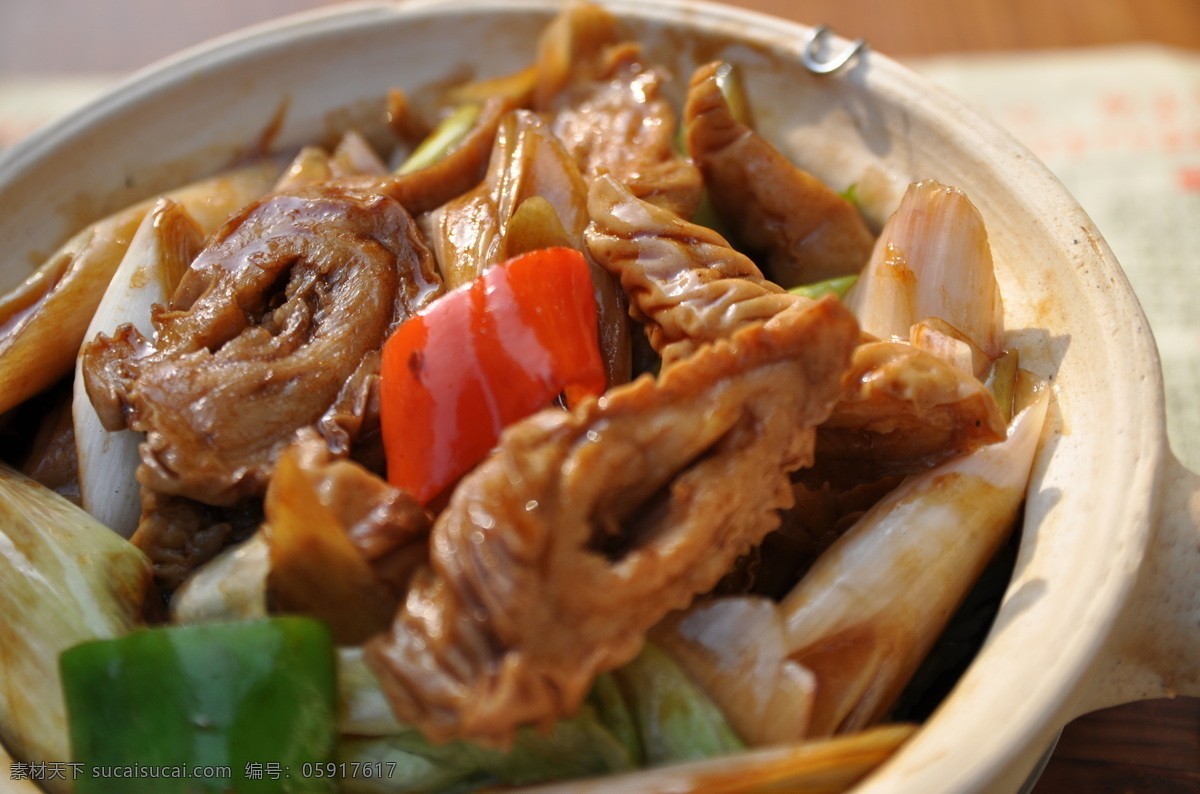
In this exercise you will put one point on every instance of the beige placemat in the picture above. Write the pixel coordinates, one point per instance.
(27, 103)
(1120, 127)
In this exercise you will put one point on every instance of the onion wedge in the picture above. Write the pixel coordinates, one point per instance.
(932, 259)
(871, 607)
(165, 243)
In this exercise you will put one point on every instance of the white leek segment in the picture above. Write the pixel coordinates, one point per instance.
(64, 579)
(734, 649)
(932, 259)
(165, 243)
(871, 607)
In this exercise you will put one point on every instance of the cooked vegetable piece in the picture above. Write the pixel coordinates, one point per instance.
(533, 196)
(939, 338)
(310, 166)
(577, 747)
(676, 720)
(932, 259)
(449, 132)
(354, 154)
(363, 709)
(518, 87)
(734, 649)
(162, 248)
(535, 224)
(482, 357)
(839, 286)
(405, 771)
(231, 586)
(471, 232)
(599, 739)
(315, 569)
(863, 623)
(457, 170)
(613, 711)
(214, 695)
(1002, 380)
(64, 579)
(569, 48)
(384, 524)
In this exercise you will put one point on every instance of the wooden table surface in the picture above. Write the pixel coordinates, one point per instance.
(1144, 748)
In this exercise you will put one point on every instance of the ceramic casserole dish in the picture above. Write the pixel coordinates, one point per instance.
(1103, 606)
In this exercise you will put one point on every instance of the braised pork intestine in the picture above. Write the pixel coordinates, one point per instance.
(281, 315)
(583, 529)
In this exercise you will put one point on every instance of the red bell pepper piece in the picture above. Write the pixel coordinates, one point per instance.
(482, 357)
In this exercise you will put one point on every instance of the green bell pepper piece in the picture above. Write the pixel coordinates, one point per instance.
(246, 706)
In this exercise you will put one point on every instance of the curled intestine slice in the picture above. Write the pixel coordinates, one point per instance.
(585, 527)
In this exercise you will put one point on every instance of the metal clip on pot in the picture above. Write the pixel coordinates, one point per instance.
(813, 54)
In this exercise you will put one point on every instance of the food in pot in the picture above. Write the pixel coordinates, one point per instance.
(592, 437)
